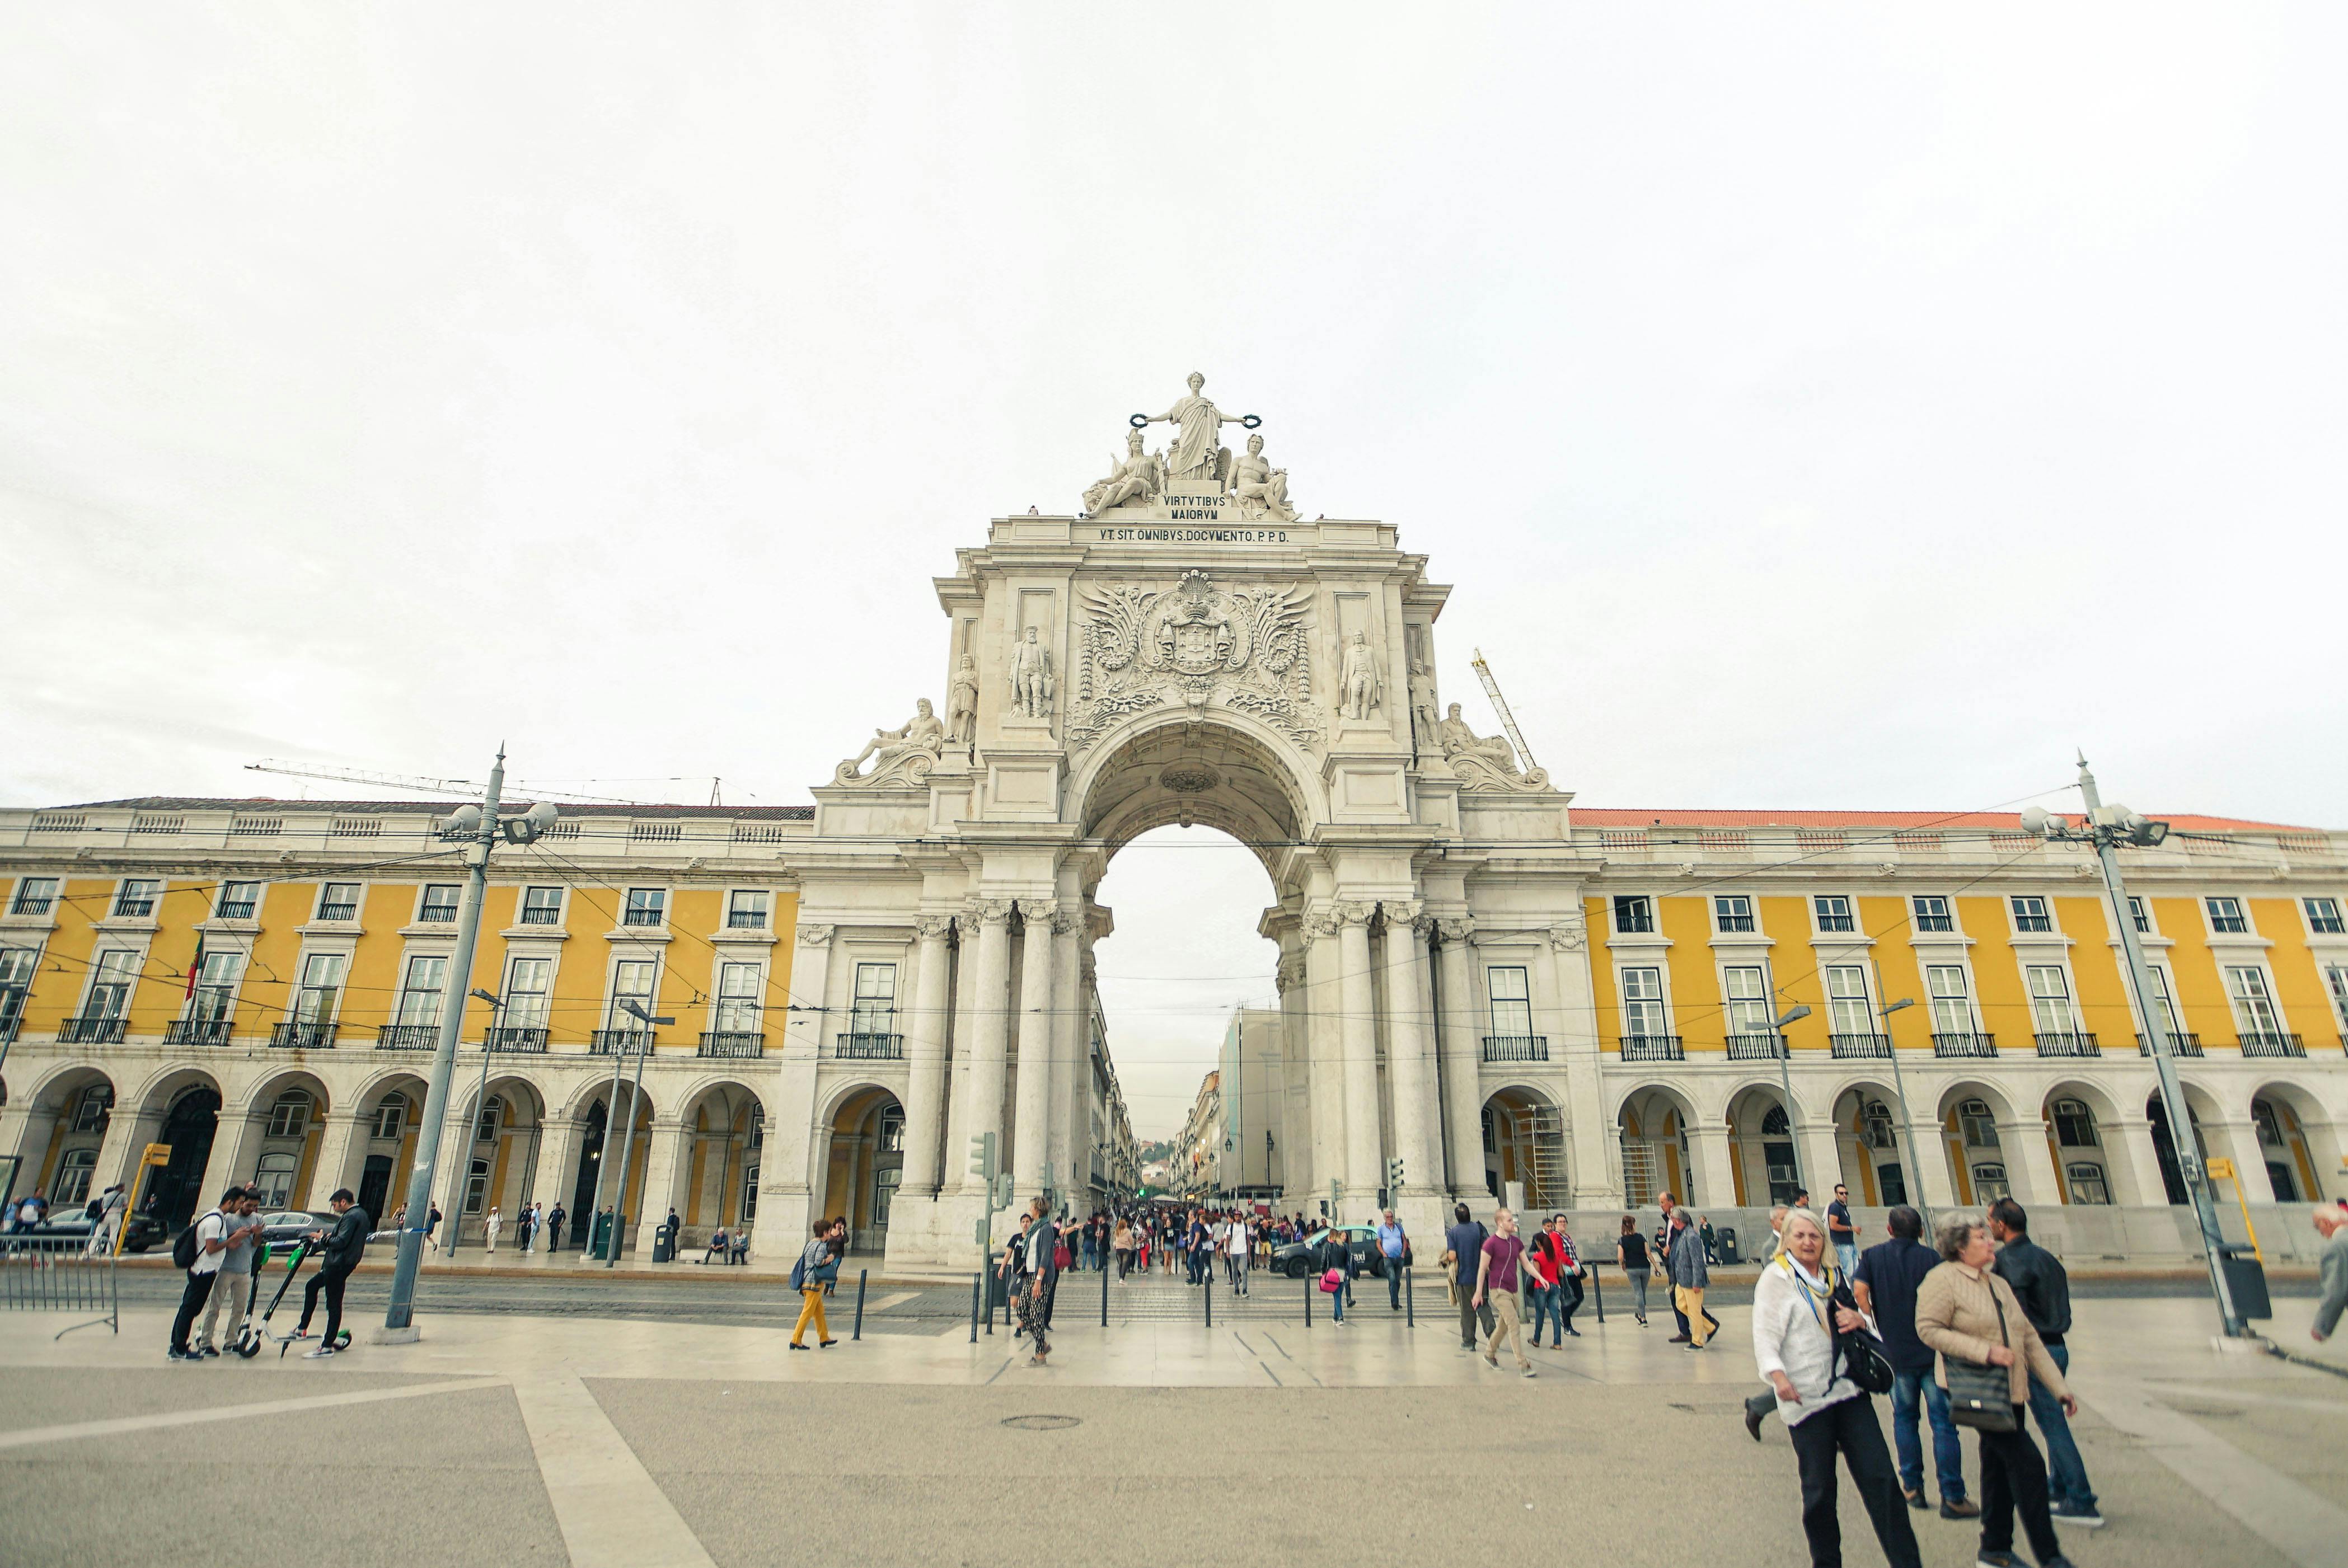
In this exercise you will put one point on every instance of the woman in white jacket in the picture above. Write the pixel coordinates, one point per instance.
(1800, 1304)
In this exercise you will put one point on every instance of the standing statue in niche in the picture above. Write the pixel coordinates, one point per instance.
(1358, 687)
(1260, 489)
(1136, 476)
(1031, 676)
(908, 749)
(961, 703)
(1460, 741)
(1197, 452)
(1423, 721)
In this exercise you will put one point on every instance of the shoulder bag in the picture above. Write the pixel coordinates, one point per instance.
(1862, 1356)
(1982, 1395)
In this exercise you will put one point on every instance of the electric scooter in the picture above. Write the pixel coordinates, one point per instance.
(249, 1342)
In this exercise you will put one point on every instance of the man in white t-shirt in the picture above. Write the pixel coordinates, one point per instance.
(211, 1239)
(1235, 1254)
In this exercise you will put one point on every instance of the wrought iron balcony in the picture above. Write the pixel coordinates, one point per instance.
(338, 911)
(197, 1031)
(640, 916)
(407, 1036)
(1516, 1048)
(2068, 1043)
(2179, 1044)
(299, 1036)
(1653, 1047)
(516, 1039)
(2272, 1044)
(868, 1047)
(746, 919)
(732, 1042)
(235, 910)
(1756, 1047)
(619, 1042)
(8, 1028)
(1860, 1044)
(1964, 1045)
(91, 1031)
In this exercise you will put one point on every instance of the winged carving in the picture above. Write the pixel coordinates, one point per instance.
(1194, 643)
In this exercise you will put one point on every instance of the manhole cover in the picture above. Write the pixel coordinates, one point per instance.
(1043, 1423)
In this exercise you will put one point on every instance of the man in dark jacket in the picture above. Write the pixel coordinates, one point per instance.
(1885, 1287)
(2044, 1291)
(344, 1246)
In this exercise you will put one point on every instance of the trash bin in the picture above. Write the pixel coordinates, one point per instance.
(2246, 1281)
(665, 1242)
(602, 1240)
(1728, 1241)
(998, 1289)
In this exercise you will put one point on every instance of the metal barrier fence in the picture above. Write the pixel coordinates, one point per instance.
(57, 1273)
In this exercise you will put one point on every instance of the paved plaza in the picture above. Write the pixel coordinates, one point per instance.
(553, 1439)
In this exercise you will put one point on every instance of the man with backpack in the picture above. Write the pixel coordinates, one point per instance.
(343, 1246)
(1463, 1253)
(198, 1251)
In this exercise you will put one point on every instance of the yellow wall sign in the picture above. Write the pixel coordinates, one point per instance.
(2221, 1170)
(156, 1154)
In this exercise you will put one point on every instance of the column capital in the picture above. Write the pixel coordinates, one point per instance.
(1569, 934)
(1403, 911)
(932, 927)
(1457, 927)
(989, 911)
(814, 935)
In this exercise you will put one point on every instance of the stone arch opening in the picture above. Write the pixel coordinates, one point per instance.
(1981, 1166)
(2297, 1141)
(501, 1141)
(383, 1143)
(1873, 1161)
(78, 1102)
(1762, 1162)
(723, 1125)
(862, 1163)
(279, 1134)
(1524, 1149)
(1652, 1123)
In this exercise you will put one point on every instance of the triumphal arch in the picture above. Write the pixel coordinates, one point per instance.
(1187, 648)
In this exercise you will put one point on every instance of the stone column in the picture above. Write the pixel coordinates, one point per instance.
(335, 1149)
(1322, 967)
(2132, 1138)
(2238, 1141)
(990, 1000)
(1821, 1162)
(954, 1165)
(1576, 1046)
(1031, 1141)
(1461, 1056)
(667, 1151)
(786, 1202)
(128, 1133)
(2029, 1165)
(1295, 1151)
(1715, 1182)
(1068, 1115)
(557, 1166)
(1935, 1184)
(28, 1140)
(926, 1084)
(1409, 1068)
(229, 1161)
(1357, 1032)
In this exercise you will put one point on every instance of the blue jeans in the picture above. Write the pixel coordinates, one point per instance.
(1845, 1256)
(1549, 1301)
(1394, 1283)
(1336, 1304)
(1948, 1455)
(2066, 1472)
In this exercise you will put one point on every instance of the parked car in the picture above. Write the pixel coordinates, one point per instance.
(1295, 1259)
(146, 1231)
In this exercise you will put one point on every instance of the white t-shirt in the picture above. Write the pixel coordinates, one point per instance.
(1238, 1241)
(213, 1227)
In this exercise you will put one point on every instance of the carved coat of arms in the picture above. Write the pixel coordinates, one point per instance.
(1192, 644)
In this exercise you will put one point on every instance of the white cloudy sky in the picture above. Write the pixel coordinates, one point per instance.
(1814, 405)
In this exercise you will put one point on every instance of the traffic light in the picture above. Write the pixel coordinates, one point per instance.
(1394, 1171)
(982, 1158)
(1003, 1194)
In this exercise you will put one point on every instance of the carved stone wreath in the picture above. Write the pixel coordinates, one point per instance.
(1189, 778)
(1193, 643)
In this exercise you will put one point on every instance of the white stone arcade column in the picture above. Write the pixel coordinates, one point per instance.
(336, 1148)
(990, 1020)
(2133, 1139)
(667, 1151)
(1323, 964)
(1296, 1074)
(926, 1082)
(1410, 1065)
(556, 1160)
(1934, 1181)
(1031, 1144)
(1069, 1115)
(1715, 1182)
(1463, 1089)
(2029, 1166)
(1593, 1185)
(1357, 1032)
(785, 1202)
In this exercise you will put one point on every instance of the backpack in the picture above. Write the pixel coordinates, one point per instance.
(798, 1273)
(186, 1248)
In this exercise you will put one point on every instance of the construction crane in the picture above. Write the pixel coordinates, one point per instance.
(1500, 704)
(458, 787)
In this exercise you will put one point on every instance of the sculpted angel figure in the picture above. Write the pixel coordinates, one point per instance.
(1198, 426)
(1359, 688)
(1260, 489)
(922, 732)
(1458, 740)
(1031, 676)
(1136, 476)
(961, 700)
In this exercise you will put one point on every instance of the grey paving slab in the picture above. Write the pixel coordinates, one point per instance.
(51, 1395)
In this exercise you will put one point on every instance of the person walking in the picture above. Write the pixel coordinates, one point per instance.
(231, 1294)
(1764, 1405)
(1544, 1268)
(1121, 1244)
(554, 1227)
(111, 1204)
(1631, 1252)
(431, 1225)
(343, 1248)
(1394, 1245)
(1570, 1291)
(1802, 1310)
(815, 1259)
(2043, 1288)
(1034, 1300)
(2331, 1223)
(1966, 1312)
(1237, 1248)
(491, 1225)
(1333, 1256)
(1842, 1232)
(1689, 1278)
(210, 1233)
(1498, 1280)
(1463, 1253)
(1889, 1274)
(1666, 1234)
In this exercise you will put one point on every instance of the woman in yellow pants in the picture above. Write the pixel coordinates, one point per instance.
(814, 1264)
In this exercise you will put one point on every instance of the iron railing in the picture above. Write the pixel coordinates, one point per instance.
(1755, 1047)
(60, 1273)
(407, 1036)
(2268, 1043)
(2179, 1044)
(868, 1047)
(732, 1042)
(1516, 1048)
(642, 917)
(338, 911)
(1653, 1047)
(1860, 1044)
(523, 1040)
(235, 910)
(1964, 1045)
(197, 1031)
(620, 1041)
(746, 919)
(2067, 1043)
(299, 1036)
(91, 1031)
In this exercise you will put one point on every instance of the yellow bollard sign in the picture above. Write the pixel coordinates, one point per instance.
(2221, 1170)
(156, 1154)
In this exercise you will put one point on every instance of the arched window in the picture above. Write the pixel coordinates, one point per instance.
(289, 1118)
(2270, 1124)
(1979, 1130)
(2087, 1184)
(892, 1130)
(476, 1185)
(274, 1176)
(1875, 1125)
(391, 1116)
(1989, 1181)
(758, 1126)
(2074, 1128)
(72, 1184)
(1774, 1123)
(493, 1112)
(90, 1111)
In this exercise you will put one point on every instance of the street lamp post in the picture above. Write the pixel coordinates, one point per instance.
(2107, 827)
(1907, 1126)
(627, 1135)
(463, 1162)
(1786, 1078)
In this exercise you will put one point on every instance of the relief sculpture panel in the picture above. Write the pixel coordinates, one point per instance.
(1192, 644)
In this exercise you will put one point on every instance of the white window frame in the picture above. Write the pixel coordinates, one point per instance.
(280, 1123)
(1964, 996)
(764, 910)
(1661, 1002)
(1723, 913)
(2061, 1002)
(337, 965)
(113, 982)
(283, 1166)
(2044, 911)
(636, 900)
(391, 1117)
(2164, 997)
(2239, 912)
(2265, 997)
(25, 897)
(2057, 1116)
(737, 1008)
(1521, 1003)
(1741, 996)
(525, 908)
(325, 900)
(2075, 1173)
(420, 1004)
(226, 897)
(873, 1004)
(2335, 982)
(424, 903)
(1947, 913)
(123, 896)
(2140, 913)
(1839, 1011)
(2316, 927)
(614, 1018)
(528, 1006)
(1645, 903)
(1848, 914)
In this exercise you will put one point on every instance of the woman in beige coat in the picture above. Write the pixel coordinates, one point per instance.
(1967, 1313)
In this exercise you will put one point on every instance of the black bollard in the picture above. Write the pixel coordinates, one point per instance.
(976, 1281)
(1409, 1306)
(1308, 1299)
(858, 1333)
(1206, 1293)
(1597, 1294)
(1104, 1295)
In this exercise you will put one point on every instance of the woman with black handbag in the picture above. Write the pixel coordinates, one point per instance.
(1817, 1350)
(1989, 1353)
